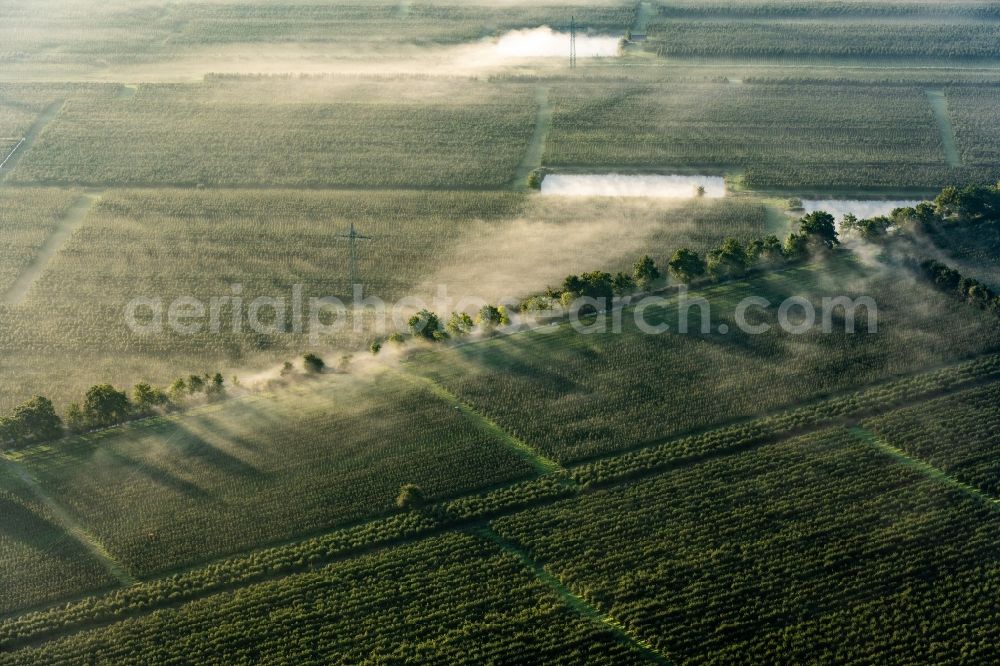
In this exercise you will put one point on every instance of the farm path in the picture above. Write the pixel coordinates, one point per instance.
(44, 118)
(69, 523)
(643, 13)
(536, 146)
(921, 466)
(574, 601)
(72, 219)
(542, 464)
(195, 592)
(939, 105)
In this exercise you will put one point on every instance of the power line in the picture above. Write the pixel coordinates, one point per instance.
(572, 43)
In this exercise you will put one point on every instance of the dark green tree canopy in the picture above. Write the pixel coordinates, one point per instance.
(686, 265)
(104, 405)
(410, 497)
(425, 324)
(729, 260)
(33, 421)
(312, 363)
(645, 271)
(821, 227)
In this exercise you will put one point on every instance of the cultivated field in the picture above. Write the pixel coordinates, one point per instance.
(575, 396)
(478, 494)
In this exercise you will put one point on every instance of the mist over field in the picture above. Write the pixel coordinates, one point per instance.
(499, 331)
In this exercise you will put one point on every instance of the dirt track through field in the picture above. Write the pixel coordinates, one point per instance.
(939, 105)
(574, 601)
(74, 216)
(923, 467)
(70, 524)
(536, 146)
(43, 119)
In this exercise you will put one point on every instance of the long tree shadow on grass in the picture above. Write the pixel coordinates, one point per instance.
(21, 524)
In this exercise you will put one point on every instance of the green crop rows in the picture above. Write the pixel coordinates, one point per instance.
(861, 39)
(448, 599)
(784, 135)
(178, 490)
(172, 135)
(32, 540)
(790, 552)
(575, 396)
(958, 434)
(27, 218)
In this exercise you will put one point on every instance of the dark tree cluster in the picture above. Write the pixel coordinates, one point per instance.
(103, 406)
(950, 281)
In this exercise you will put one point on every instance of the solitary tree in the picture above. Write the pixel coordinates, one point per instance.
(177, 390)
(195, 384)
(622, 283)
(410, 497)
(686, 266)
(489, 316)
(216, 388)
(729, 260)
(796, 246)
(765, 251)
(145, 397)
(460, 324)
(313, 364)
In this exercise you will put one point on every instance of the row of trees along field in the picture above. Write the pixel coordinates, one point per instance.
(731, 260)
(103, 406)
(37, 420)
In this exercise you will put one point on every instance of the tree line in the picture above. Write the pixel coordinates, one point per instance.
(732, 259)
(36, 420)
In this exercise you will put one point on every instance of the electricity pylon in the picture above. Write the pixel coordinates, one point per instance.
(352, 239)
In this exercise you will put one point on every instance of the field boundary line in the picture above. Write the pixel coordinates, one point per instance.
(541, 463)
(573, 600)
(68, 523)
(66, 225)
(922, 466)
(11, 153)
(535, 151)
(446, 525)
(44, 118)
(939, 107)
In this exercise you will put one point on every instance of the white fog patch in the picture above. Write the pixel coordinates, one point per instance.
(859, 208)
(544, 42)
(518, 46)
(627, 185)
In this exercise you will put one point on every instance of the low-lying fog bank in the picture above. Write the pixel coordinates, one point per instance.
(627, 185)
(862, 209)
